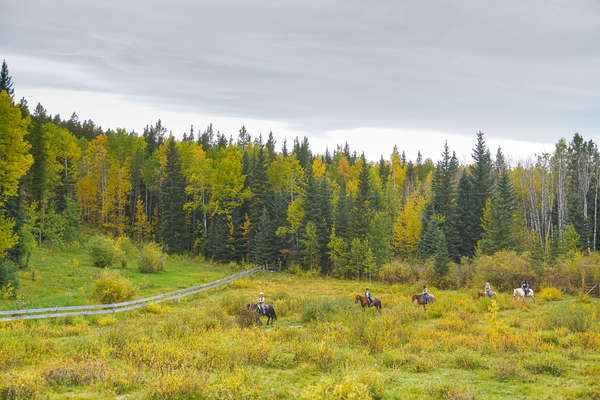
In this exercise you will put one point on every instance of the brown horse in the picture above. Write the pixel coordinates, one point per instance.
(421, 299)
(365, 302)
(484, 294)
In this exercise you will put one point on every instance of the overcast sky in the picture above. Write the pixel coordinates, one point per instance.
(373, 73)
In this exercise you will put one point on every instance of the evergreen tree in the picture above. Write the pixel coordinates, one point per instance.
(467, 223)
(441, 258)
(262, 241)
(499, 219)
(6, 83)
(481, 173)
(310, 246)
(361, 208)
(172, 199)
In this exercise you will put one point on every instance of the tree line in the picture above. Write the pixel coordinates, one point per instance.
(245, 199)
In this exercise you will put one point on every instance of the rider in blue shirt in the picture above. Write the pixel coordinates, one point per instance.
(425, 294)
(487, 289)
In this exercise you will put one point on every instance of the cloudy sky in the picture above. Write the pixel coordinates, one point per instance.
(373, 73)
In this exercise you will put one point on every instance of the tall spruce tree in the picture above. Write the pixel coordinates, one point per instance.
(361, 209)
(481, 174)
(6, 83)
(499, 225)
(172, 199)
(466, 216)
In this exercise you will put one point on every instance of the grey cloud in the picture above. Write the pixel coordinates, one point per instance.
(522, 70)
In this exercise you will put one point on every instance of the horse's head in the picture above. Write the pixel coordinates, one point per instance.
(515, 292)
(356, 298)
(414, 297)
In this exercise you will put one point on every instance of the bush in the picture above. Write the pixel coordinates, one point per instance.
(547, 364)
(125, 250)
(550, 293)
(504, 270)
(507, 369)
(247, 318)
(19, 386)
(319, 309)
(575, 317)
(398, 272)
(111, 287)
(8, 277)
(81, 374)
(151, 258)
(465, 359)
(102, 250)
(450, 391)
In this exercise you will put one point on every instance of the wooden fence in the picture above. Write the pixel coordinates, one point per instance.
(55, 312)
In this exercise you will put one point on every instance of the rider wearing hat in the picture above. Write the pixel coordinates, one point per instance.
(369, 296)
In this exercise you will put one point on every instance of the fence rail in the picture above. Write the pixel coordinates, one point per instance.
(55, 312)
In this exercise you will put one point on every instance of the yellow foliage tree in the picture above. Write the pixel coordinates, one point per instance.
(408, 226)
(15, 160)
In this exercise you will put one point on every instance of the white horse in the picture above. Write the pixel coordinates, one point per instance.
(519, 293)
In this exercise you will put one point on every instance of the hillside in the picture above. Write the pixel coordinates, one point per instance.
(322, 346)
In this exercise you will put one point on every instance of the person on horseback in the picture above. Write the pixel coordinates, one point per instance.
(426, 294)
(487, 289)
(261, 302)
(369, 296)
(525, 287)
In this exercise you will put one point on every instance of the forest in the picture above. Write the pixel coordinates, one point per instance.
(248, 199)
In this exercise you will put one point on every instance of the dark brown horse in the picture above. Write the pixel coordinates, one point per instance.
(484, 294)
(365, 302)
(421, 299)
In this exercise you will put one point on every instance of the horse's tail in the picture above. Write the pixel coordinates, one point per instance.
(273, 311)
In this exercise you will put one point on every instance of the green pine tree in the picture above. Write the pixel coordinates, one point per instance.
(441, 258)
(172, 230)
(6, 83)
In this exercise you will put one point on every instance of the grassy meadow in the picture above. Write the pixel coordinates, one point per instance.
(322, 346)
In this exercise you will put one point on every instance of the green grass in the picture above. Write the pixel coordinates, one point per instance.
(322, 347)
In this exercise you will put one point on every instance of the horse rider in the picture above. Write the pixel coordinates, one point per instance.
(369, 296)
(488, 292)
(525, 287)
(426, 294)
(261, 302)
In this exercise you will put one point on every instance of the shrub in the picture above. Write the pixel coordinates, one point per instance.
(550, 293)
(19, 386)
(247, 318)
(81, 374)
(504, 270)
(450, 391)
(280, 358)
(102, 250)
(398, 272)
(8, 276)
(467, 360)
(319, 309)
(125, 250)
(176, 386)
(111, 287)
(151, 258)
(507, 369)
(572, 316)
(547, 364)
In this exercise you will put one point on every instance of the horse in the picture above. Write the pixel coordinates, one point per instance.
(518, 292)
(421, 299)
(269, 311)
(484, 294)
(365, 302)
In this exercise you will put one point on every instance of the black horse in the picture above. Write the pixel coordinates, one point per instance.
(269, 311)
